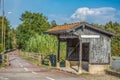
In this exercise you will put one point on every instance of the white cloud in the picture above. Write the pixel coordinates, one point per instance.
(9, 12)
(95, 15)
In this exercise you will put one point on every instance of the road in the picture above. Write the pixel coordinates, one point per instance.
(21, 69)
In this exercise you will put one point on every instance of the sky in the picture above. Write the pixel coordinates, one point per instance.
(64, 11)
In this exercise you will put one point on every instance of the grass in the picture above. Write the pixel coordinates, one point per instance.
(3, 66)
(45, 65)
(114, 69)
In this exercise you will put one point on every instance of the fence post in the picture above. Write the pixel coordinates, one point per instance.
(22, 53)
(49, 63)
(7, 63)
(39, 60)
(3, 57)
(25, 53)
(42, 59)
(34, 56)
(30, 55)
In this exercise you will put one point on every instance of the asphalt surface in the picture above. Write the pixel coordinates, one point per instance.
(21, 69)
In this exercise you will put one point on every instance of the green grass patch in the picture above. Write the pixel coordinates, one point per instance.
(29, 59)
(45, 65)
(3, 66)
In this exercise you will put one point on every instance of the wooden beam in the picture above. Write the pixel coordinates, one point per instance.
(80, 57)
(66, 49)
(58, 54)
(65, 36)
(110, 56)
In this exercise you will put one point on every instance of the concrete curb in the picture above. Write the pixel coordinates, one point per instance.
(114, 73)
(67, 71)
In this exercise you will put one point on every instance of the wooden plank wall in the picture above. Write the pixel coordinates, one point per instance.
(100, 48)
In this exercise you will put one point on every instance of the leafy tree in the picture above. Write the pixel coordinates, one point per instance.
(65, 23)
(53, 23)
(32, 23)
(12, 39)
(7, 29)
(115, 28)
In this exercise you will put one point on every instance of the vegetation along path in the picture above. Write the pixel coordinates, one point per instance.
(21, 69)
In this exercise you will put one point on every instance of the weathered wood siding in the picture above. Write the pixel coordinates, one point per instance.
(100, 48)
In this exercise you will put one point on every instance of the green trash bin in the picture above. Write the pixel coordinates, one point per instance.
(52, 58)
(1, 58)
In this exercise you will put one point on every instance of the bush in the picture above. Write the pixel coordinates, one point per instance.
(45, 44)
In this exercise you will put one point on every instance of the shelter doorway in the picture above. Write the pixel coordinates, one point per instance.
(85, 56)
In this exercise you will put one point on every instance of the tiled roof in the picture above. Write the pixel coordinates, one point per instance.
(64, 27)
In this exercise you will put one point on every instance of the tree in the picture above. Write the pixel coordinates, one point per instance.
(65, 23)
(53, 23)
(12, 39)
(32, 23)
(115, 28)
(7, 29)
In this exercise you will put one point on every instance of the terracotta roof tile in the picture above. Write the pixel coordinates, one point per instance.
(64, 27)
(73, 25)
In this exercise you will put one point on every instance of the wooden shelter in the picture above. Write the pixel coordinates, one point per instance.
(88, 47)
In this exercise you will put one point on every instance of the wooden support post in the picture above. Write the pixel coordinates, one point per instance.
(110, 56)
(58, 55)
(80, 58)
(67, 64)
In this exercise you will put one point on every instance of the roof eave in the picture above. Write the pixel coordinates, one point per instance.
(101, 30)
(57, 32)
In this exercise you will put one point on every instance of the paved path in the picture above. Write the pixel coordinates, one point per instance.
(21, 69)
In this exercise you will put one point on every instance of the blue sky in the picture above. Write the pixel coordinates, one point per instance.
(91, 11)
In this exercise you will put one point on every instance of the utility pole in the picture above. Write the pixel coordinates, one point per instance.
(3, 27)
